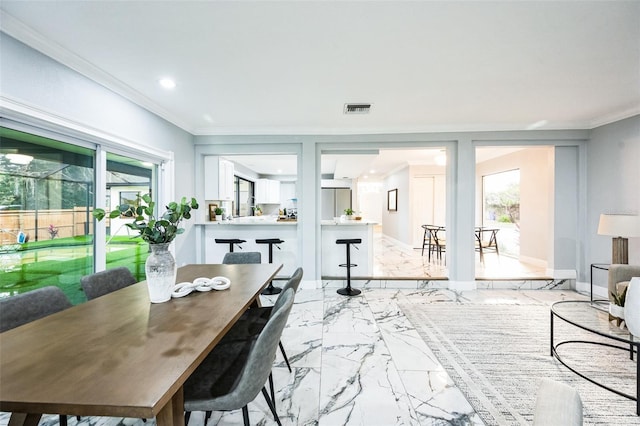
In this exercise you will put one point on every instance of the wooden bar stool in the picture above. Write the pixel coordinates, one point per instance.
(271, 241)
(348, 291)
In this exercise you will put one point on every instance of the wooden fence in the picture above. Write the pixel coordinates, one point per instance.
(69, 223)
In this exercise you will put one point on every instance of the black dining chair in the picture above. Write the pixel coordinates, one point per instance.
(104, 282)
(234, 372)
(435, 240)
(487, 241)
(30, 306)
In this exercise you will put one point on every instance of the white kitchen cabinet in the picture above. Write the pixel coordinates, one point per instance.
(267, 191)
(218, 178)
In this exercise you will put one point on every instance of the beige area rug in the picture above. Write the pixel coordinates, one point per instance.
(496, 355)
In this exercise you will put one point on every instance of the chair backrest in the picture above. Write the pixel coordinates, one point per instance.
(105, 282)
(293, 283)
(557, 404)
(262, 354)
(26, 307)
(239, 258)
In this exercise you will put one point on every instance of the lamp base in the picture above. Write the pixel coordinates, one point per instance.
(620, 253)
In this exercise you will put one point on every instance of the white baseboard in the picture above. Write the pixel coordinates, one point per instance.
(598, 291)
(463, 285)
(311, 284)
(562, 274)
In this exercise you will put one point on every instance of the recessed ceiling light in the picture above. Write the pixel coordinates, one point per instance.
(167, 83)
(537, 125)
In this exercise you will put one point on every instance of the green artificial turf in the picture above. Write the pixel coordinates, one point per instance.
(65, 272)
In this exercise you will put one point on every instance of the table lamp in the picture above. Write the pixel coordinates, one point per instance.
(621, 227)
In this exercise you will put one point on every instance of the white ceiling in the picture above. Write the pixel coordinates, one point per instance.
(288, 67)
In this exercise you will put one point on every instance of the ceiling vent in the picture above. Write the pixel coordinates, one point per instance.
(357, 108)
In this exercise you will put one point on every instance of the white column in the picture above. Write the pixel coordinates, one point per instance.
(460, 214)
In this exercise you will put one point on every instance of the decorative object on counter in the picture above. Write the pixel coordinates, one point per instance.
(218, 212)
(160, 267)
(212, 211)
(632, 307)
(392, 200)
(349, 213)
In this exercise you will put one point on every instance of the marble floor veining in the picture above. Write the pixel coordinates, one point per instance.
(392, 260)
(357, 361)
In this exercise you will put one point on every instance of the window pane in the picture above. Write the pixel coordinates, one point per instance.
(502, 208)
(126, 179)
(46, 232)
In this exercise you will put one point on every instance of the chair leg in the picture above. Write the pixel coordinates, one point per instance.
(273, 391)
(245, 415)
(187, 416)
(284, 355)
(271, 407)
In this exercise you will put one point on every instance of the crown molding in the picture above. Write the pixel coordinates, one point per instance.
(25, 34)
(612, 118)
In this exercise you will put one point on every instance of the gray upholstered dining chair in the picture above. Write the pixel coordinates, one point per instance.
(234, 372)
(237, 258)
(105, 282)
(253, 320)
(30, 306)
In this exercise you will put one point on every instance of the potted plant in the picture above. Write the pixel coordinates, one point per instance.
(159, 232)
(218, 211)
(616, 308)
(349, 213)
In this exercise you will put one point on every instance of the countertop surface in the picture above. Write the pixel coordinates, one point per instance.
(347, 222)
(251, 221)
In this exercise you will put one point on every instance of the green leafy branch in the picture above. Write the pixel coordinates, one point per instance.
(153, 230)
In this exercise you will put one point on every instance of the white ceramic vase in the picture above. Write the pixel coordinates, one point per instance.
(616, 310)
(632, 307)
(161, 271)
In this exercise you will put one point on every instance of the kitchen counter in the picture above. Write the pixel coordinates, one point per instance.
(249, 222)
(347, 222)
(249, 229)
(334, 254)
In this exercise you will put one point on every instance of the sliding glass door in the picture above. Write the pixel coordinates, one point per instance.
(47, 195)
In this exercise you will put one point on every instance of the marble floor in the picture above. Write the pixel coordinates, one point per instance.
(358, 361)
(391, 260)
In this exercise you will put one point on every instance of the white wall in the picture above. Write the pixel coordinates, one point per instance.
(35, 80)
(396, 224)
(534, 164)
(613, 164)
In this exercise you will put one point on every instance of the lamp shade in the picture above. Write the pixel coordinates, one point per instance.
(619, 225)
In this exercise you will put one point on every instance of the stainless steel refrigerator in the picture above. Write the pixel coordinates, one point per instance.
(334, 201)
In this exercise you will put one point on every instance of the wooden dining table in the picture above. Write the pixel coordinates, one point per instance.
(120, 355)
